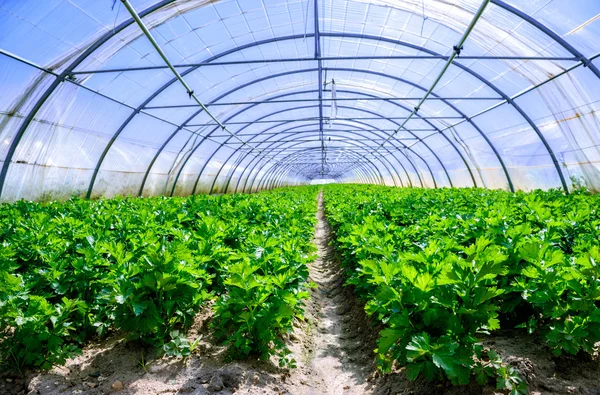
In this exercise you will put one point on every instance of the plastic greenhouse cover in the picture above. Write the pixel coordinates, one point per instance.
(89, 107)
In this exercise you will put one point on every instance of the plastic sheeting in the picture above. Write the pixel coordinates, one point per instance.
(88, 107)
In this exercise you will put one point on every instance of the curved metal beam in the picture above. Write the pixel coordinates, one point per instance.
(356, 169)
(278, 112)
(58, 80)
(489, 84)
(416, 171)
(256, 160)
(140, 192)
(267, 149)
(284, 110)
(265, 177)
(362, 173)
(280, 171)
(368, 175)
(107, 148)
(408, 159)
(394, 103)
(341, 69)
(155, 94)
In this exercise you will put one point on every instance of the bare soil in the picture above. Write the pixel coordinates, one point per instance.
(333, 347)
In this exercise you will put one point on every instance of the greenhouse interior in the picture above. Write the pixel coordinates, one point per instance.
(300, 196)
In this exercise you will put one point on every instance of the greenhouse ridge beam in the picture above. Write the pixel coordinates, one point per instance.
(330, 58)
(329, 130)
(320, 82)
(314, 140)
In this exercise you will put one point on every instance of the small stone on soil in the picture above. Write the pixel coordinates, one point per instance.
(117, 386)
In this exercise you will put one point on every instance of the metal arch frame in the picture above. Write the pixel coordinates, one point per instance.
(375, 172)
(363, 172)
(232, 171)
(390, 101)
(242, 86)
(282, 142)
(358, 165)
(394, 103)
(257, 158)
(153, 96)
(363, 110)
(470, 121)
(270, 171)
(291, 109)
(276, 178)
(279, 174)
(267, 149)
(277, 182)
(486, 82)
(395, 140)
(140, 192)
(262, 117)
(500, 160)
(256, 161)
(107, 36)
(178, 129)
(383, 160)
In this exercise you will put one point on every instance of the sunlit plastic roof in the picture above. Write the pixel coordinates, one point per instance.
(305, 89)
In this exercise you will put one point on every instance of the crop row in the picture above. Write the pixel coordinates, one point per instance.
(80, 269)
(441, 269)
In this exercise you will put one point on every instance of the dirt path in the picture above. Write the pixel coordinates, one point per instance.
(339, 360)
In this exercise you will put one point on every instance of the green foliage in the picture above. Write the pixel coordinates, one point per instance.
(266, 284)
(441, 269)
(144, 267)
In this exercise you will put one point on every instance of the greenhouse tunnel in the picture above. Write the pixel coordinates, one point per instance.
(179, 97)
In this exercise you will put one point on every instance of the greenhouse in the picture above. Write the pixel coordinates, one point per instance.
(299, 196)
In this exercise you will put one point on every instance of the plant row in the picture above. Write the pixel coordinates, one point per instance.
(80, 269)
(442, 269)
